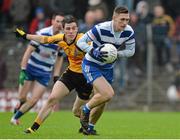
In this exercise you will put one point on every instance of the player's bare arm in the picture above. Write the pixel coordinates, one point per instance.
(38, 38)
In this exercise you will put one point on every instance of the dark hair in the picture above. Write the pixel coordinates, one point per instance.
(121, 9)
(69, 19)
(57, 14)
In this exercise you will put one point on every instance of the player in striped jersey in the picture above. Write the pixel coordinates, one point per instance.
(71, 79)
(36, 68)
(98, 73)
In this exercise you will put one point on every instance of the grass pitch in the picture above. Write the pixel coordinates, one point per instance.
(112, 125)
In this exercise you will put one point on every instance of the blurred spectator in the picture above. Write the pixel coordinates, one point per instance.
(45, 4)
(3, 70)
(100, 9)
(177, 38)
(142, 10)
(121, 74)
(4, 14)
(19, 11)
(39, 21)
(139, 58)
(99, 15)
(140, 22)
(163, 31)
(90, 20)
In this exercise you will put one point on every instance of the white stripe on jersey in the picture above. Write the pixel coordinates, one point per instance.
(130, 42)
(39, 57)
(45, 54)
(44, 68)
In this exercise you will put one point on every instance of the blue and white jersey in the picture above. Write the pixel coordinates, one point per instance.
(104, 33)
(43, 58)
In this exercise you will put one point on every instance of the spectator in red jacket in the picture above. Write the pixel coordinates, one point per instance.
(39, 21)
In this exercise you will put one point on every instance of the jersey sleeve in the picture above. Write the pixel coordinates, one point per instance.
(53, 39)
(84, 44)
(93, 34)
(130, 47)
(130, 40)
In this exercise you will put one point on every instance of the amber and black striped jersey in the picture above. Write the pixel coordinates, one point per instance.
(74, 54)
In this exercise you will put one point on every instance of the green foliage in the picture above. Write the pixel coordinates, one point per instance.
(112, 125)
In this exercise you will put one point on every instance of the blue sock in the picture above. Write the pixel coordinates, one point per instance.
(90, 126)
(18, 115)
(86, 109)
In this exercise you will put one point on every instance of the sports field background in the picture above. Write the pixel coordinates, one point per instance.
(112, 125)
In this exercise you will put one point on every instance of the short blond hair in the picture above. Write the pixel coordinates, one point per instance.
(121, 9)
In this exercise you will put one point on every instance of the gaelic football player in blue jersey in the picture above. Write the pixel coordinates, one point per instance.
(97, 72)
(37, 65)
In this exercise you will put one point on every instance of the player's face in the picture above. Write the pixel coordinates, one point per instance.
(70, 30)
(57, 23)
(120, 21)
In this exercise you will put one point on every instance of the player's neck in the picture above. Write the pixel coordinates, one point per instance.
(117, 31)
(69, 41)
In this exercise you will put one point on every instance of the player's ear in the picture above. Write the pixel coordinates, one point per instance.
(52, 21)
(114, 16)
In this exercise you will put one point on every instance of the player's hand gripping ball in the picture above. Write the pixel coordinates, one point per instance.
(111, 53)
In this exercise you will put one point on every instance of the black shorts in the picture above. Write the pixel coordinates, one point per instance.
(77, 81)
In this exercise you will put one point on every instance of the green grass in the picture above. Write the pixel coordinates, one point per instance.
(112, 125)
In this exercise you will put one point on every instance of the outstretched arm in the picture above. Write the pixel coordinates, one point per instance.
(38, 38)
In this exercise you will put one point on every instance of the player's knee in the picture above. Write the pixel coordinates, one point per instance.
(109, 95)
(76, 112)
